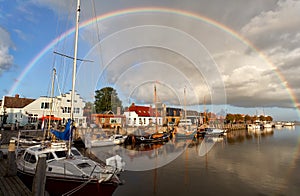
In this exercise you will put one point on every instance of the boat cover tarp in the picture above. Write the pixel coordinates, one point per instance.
(65, 135)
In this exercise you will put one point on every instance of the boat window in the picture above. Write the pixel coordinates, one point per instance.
(29, 158)
(83, 165)
(75, 152)
(49, 156)
(61, 154)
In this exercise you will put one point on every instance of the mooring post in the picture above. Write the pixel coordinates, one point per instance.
(1, 155)
(11, 158)
(38, 185)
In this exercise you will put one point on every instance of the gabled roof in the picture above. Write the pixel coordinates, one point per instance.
(143, 111)
(16, 102)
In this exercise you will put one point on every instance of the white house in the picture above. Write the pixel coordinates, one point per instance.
(142, 116)
(28, 111)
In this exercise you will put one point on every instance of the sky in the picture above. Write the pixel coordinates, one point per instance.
(234, 56)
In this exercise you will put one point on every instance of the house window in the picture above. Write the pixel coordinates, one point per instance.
(77, 110)
(45, 105)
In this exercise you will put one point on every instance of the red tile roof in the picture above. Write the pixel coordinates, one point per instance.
(143, 111)
(16, 102)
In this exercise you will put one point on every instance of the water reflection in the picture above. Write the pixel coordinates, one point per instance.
(145, 156)
(242, 162)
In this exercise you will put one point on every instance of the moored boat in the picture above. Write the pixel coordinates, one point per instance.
(142, 136)
(105, 141)
(69, 173)
(214, 131)
(186, 131)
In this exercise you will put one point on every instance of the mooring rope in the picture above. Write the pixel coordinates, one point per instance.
(76, 188)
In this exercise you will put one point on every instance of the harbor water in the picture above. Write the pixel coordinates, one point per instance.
(240, 163)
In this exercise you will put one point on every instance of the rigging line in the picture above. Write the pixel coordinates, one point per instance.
(63, 27)
(70, 57)
(59, 90)
(98, 33)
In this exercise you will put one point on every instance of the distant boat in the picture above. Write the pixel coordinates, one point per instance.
(288, 124)
(141, 136)
(185, 131)
(267, 125)
(278, 125)
(104, 141)
(214, 131)
(253, 126)
(148, 134)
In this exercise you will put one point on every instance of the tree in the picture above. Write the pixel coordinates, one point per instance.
(248, 118)
(230, 118)
(107, 99)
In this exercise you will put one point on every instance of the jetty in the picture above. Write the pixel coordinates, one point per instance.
(10, 184)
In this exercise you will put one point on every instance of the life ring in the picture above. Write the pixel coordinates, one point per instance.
(142, 138)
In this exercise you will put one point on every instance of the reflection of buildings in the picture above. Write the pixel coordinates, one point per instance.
(23, 111)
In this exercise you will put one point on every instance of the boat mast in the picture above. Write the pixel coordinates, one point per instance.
(184, 105)
(156, 126)
(74, 70)
(51, 99)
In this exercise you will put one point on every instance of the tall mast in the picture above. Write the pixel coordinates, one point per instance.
(51, 98)
(75, 60)
(184, 105)
(155, 108)
(74, 69)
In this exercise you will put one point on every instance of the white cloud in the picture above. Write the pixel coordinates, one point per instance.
(250, 79)
(6, 59)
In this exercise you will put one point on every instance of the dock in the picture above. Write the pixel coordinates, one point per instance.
(11, 185)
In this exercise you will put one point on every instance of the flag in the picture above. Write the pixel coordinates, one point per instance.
(43, 124)
(65, 135)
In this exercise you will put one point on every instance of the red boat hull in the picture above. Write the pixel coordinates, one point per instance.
(59, 186)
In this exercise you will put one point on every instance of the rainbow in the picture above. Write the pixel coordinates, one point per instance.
(153, 10)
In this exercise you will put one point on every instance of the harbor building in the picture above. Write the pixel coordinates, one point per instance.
(21, 112)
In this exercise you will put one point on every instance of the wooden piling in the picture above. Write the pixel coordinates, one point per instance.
(39, 181)
(11, 157)
(10, 184)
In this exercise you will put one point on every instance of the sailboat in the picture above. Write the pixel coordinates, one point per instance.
(67, 171)
(147, 134)
(184, 128)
